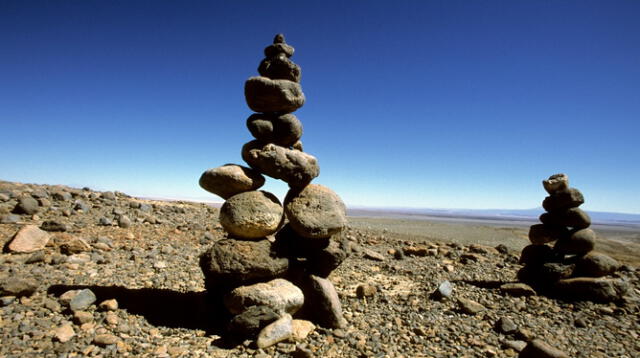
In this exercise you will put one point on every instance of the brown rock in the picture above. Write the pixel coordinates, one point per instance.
(596, 264)
(539, 349)
(541, 234)
(556, 183)
(28, 239)
(251, 215)
(562, 200)
(267, 95)
(579, 242)
(591, 289)
(230, 179)
(294, 167)
(283, 130)
(75, 246)
(315, 212)
(574, 217)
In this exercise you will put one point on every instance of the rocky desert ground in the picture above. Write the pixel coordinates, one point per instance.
(119, 276)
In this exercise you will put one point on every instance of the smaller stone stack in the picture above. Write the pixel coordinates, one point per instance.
(570, 269)
(276, 258)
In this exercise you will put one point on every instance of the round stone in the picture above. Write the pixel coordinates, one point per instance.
(555, 183)
(251, 215)
(279, 68)
(230, 179)
(541, 233)
(293, 166)
(574, 217)
(579, 242)
(562, 200)
(267, 95)
(283, 130)
(231, 263)
(315, 212)
(536, 254)
(596, 264)
(278, 294)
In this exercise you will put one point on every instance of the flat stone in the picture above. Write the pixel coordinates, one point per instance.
(279, 294)
(562, 200)
(16, 286)
(539, 349)
(28, 239)
(82, 300)
(294, 167)
(579, 242)
(281, 129)
(231, 263)
(251, 321)
(591, 289)
(596, 264)
(541, 233)
(277, 331)
(266, 95)
(556, 183)
(103, 340)
(517, 289)
(470, 306)
(230, 179)
(251, 215)
(315, 212)
(9, 219)
(373, 255)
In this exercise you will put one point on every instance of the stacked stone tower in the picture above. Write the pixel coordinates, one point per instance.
(275, 258)
(570, 268)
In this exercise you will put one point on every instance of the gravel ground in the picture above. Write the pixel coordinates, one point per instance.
(151, 269)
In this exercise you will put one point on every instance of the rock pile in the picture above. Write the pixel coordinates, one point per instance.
(569, 269)
(276, 258)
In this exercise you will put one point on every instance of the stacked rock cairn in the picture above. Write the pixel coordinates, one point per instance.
(274, 263)
(570, 269)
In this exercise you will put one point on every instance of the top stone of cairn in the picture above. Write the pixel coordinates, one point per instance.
(556, 183)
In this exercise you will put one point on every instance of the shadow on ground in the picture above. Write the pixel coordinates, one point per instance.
(161, 307)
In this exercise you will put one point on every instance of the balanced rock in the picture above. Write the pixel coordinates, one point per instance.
(251, 215)
(574, 217)
(278, 47)
(596, 264)
(279, 68)
(230, 179)
(232, 263)
(283, 130)
(292, 166)
(541, 233)
(28, 239)
(315, 212)
(578, 243)
(279, 295)
(592, 289)
(561, 200)
(556, 183)
(266, 95)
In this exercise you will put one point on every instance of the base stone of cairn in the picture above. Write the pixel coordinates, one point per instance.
(569, 269)
(272, 268)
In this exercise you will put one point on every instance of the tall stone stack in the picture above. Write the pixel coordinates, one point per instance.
(569, 269)
(276, 258)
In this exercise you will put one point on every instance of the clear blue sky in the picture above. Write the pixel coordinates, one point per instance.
(439, 104)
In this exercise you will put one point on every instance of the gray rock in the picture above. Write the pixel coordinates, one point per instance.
(17, 286)
(9, 219)
(541, 233)
(82, 300)
(516, 345)
(61, 195)
(4, 197)
(108, 195)
(321, 300)
(574, 217)
(104, 221)
(267, 95)
(444, 291)
(539, 349)
(591, 289)
(292, 166)
(373, 255)
(248, 323)
(279, 68)
(505, 325)
(283, 130)
(54, 226)
(28, 239)
(231, 263)
(279, 294)
(315, 212)
(277, 331)
(554, 271)
(596, 264)
(124, 222)
(36, 257)
(80, 205)
(39, 193)
(322, 262)
(556, 183)
(26, 205)
(7, 300)
(145, 208)
(562, 200)
(579, 242)
(230, 179)
(251, 215)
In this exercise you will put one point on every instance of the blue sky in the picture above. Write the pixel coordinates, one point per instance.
(439, 104)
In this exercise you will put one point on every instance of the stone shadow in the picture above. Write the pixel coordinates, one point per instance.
(486, 284)
(161, 307)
